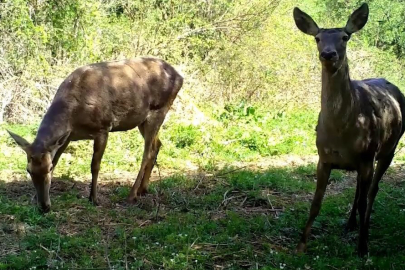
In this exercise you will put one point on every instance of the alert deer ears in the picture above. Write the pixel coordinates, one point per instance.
(357, 19)
(305, 23)
(57, 142)
(20, 141)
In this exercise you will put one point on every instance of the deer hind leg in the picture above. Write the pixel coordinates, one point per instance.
(365, 171)
(150, 128)
(323, 172)
(100, 143)
(143, 189)
(382, 167)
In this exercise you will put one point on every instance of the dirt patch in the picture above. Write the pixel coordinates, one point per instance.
(11, 231)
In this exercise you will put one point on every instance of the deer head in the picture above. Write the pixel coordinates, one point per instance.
(39, 166)
(331, 42)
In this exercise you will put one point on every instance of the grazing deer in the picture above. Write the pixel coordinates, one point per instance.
(97, 99)
(360, 122)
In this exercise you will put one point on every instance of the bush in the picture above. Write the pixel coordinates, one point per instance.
(45, 40)
(185, 136)
(228, 51)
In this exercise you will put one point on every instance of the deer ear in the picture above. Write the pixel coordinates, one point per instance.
(357, 19)
(20, 141)
(305, 23)
(58, 142)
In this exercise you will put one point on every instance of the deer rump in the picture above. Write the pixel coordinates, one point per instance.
(373, 129)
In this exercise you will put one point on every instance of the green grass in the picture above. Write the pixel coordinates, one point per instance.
(195, 223)
(222, 215)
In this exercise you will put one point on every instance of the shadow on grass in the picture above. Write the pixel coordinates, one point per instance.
(235, 219)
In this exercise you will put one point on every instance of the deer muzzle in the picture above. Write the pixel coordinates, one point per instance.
(329, 56)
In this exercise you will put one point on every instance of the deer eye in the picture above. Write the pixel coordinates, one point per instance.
(317, 39)
(51, 168)
(345, 38)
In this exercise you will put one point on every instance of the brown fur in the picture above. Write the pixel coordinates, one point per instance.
(97, 99)
(360, 122)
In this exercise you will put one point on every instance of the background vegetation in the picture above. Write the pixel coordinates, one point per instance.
(228, 50)
(237, 167)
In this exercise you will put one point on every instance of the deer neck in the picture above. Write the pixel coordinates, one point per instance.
(337, 98)
(54, 125)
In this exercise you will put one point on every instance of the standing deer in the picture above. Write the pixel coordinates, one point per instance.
(360, 122)
(97, 99)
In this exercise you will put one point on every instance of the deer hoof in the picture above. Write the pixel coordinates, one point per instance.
(142, 192)
(350, 226)
(94, 201)
(131, 200)
(362, 251)
(301, 248)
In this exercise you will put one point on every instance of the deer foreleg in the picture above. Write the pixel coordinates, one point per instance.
(143, 189)
(323, 173)
(365, 172)
(149, 129)
(352, 222)
(100, 143)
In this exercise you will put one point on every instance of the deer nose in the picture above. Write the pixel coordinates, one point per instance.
(329, 55)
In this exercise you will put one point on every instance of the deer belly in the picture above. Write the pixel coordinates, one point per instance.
(128, 121)
(125, 125)
(339, 158)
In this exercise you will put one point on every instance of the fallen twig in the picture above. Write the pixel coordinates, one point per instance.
(117, 224)
(199, 183)
(271, 204)
(213, 245)
(262, 210)
(192, 244)
(143, 223)
(224, 202)
(106, 249)
(231, 171)
(100, 268)
(243, 202)
(58, 250)
(125, 251)
(50, 252)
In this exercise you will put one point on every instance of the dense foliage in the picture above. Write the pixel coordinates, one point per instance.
(229, 51)
(386, 25)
